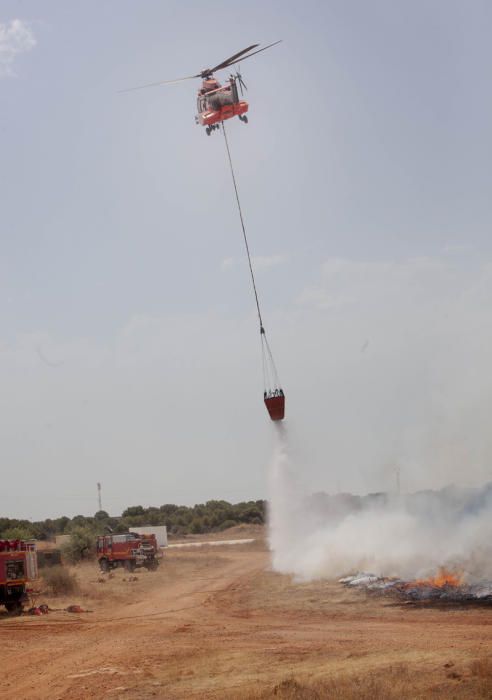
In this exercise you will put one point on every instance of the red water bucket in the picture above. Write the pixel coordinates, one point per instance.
(275, 406)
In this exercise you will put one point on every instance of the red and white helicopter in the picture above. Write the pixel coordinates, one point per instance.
(216, 102)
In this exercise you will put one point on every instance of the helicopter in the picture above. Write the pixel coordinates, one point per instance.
(216, 102)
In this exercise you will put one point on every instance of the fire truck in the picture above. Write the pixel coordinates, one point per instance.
(128, 550)
(18, 566)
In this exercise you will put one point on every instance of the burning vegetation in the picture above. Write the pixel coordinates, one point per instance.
(444, 586)
(440, 580)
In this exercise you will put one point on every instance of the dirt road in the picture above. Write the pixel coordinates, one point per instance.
(218, 624)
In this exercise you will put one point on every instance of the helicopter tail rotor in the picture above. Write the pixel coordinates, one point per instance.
(240, 80)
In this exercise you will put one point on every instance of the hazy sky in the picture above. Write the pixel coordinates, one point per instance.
(129, 351)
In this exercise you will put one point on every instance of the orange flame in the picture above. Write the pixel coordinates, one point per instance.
(441, 579)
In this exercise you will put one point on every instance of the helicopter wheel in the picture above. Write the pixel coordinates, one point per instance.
(208, 131)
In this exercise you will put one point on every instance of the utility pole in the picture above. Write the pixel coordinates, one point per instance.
(397, 475)
(99, 496)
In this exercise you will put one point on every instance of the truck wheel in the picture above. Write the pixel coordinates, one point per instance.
(130, 565)
(152, 565)
(14, 607)
(104, 565)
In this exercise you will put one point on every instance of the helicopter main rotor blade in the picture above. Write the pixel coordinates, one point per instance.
(162, 82)
(231, 59)
(208, 71)
(226, 65)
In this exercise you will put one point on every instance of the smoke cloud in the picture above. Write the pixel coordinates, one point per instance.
(16, 37)
(387, 534)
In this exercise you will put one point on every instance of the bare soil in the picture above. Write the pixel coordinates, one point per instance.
(218, 623)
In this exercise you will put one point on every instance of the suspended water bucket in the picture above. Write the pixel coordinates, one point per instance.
(273, 395)
(275, 404)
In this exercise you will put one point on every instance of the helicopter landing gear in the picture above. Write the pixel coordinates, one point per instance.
(211, 128)
(243, 118)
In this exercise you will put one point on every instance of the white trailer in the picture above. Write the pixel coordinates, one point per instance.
(160, 532)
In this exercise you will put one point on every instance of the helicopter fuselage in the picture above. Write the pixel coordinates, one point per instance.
(216, 103)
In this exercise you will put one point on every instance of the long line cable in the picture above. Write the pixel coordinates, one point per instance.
(270, 375)
(262, 331)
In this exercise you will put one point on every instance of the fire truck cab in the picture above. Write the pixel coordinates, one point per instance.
(128, 550)
(18, 566)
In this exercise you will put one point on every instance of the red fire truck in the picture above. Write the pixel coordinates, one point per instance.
(128, 550)
(18, 566)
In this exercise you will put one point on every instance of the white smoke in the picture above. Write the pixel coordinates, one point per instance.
(16, 37)
(411, 536)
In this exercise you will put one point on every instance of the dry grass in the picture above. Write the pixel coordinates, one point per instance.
(393, 683)
(238, 532)
(482, 668)
(258, 545)
(98, 590)
(481, 671)
(60, 581)
(279, 592)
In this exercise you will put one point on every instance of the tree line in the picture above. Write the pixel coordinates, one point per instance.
(211, 516)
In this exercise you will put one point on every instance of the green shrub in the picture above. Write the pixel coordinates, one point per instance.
(81, 545)
(60, 581)
(203, 517)
(196, 526)
(17, 533)
(227, 524)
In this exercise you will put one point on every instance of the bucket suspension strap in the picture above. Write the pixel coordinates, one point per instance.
(270, 374)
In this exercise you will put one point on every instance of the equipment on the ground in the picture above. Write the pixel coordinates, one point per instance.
(216, 102)
(128, 550)
(18, 566)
